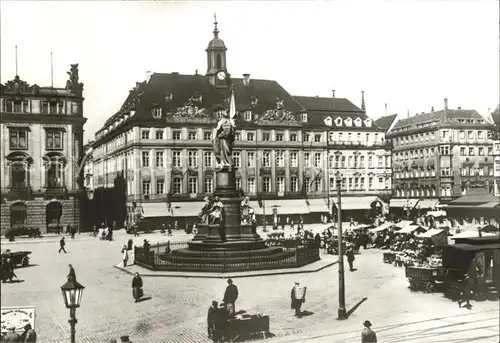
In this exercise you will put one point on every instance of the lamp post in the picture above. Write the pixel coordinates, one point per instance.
(72, 293)
(341, 311)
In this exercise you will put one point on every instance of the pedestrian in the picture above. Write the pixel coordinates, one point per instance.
(29, 335)
(350, 258)
(170, 229)
(8, 270)
(298, 298)
(62, 243)
(368, 335)
(221, 317)
(124, 255)
(12, 336)
(95, 231)
(130, 244)
(465, 293)
(137, 291)
(211, 319)
(230, 297)
(71, 275)
(68, 229)
(73, 231)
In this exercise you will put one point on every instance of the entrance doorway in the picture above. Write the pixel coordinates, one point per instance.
(18, 215)
(53, 215)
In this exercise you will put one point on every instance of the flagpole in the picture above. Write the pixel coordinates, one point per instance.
(16, 61)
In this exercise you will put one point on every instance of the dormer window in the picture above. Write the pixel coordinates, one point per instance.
(348, 122)
(338, 121)
(357, 122)
(368, 122)
(156, 112)
(304, 117)
(328, 121)
(169, 97)
(248, 115)
(220, 114)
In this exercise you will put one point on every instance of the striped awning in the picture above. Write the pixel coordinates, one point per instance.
(154, 209)
(186, 209)
(427, 203)
(319, 206)
(356, 203)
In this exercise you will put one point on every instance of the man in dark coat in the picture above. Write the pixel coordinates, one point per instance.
(29, 335)
(230, 297)
(71, 274)
(465, 292)
(137, 287)
(298, 296)
(62, 243)
(350, 258)
(211, 319)
(221, 317)
(368, 335)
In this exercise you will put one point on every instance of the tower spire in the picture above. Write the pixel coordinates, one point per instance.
(363, 101)
(216, 30)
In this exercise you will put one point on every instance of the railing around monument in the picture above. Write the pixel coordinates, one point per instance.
(296, 253)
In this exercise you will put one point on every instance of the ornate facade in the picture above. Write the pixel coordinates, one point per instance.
(162, 140)
(41, 155)
(439, 156)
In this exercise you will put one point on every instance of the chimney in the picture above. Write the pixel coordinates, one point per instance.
(385, 105)
(459, 107)
(148, 76)
(446, 104)
(246, 79)
(432, 109)
(333, 93)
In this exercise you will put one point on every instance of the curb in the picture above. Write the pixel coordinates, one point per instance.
(227, 275)
(41, 240)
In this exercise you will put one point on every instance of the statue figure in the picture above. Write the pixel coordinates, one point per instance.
(223, 142)
(247, 211)
(73, 84)
(216, 212)
(205, 211)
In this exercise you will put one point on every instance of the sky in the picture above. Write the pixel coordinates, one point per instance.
(407, 54)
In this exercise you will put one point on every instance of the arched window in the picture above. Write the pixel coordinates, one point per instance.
(19, 169)
(218, 61)
(54, 170)
(53, 213)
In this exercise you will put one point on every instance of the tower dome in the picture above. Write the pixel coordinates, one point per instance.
(216, 42)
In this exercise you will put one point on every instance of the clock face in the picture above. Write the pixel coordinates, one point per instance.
(221, 75)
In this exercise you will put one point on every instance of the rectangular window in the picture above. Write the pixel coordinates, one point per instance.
(490, 151)
(238, 183)
(332, 184)
(381, 161)
(480, 134)
(159, 134)
(480, 151)
(251, 159)
(445, 171)
(177, 185)
(53, 107)
(470, 134)
(145, 134)
(293, 137)
(237, 136)
(294, 159)
(471, 151)
(461, 134)
(208, 185)
(192, 136)
(362, 183)
(193, 185)
(18, 138)
(337, 161)
(266, 136)
(317, 138)
(266, 184)
(279, 137)
(176, 135)
(266, 159)
(145, 158)
(250, 136)
(350, 164)
(462, 151)
(54, 140)
(159, 159)
(237, 158)
(343, 184)
(361, 161)
(160, 187)
(307, 184)
(280, 158)
(355, 161)
(317, 185)
(370, 183)
(307, 159)
(146, 187)
(280, 184)
(192, 159)
(251, 185)
(444, 150)
(207, 135)
(305, 137)
(317, 160)
(343, 163)
(248, 115)
(331, 164)
(370, 161)
(207, 159)
(294, 184)
(350, 183)
(176, 159)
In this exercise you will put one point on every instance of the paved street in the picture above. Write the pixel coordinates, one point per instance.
(176, 311)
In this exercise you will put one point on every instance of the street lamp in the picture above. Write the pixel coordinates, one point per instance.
(342, 314)
(72, 294)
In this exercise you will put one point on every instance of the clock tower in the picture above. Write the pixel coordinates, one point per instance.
(216, 60)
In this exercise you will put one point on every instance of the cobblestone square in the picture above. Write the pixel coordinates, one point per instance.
(177, 309)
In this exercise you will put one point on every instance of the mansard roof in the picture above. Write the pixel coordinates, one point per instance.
(385, 122)
(443, 118)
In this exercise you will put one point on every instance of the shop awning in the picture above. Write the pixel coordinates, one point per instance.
(382, 227)
(403, 203)
(431, 233)
(357, 203)
(436, 214)
(412, 228)
(469, 234)
(186, 209)
(154, 209)
(291, 206)
(319, 206)
(402, 224)
(427, 203)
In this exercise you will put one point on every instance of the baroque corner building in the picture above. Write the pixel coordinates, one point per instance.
(42, 154)
(288, 150)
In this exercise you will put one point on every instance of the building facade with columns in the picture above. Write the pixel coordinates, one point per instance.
(161, 140)
(440, 156)
(41, 154)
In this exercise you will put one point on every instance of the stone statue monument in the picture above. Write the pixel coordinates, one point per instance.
(223, 142)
